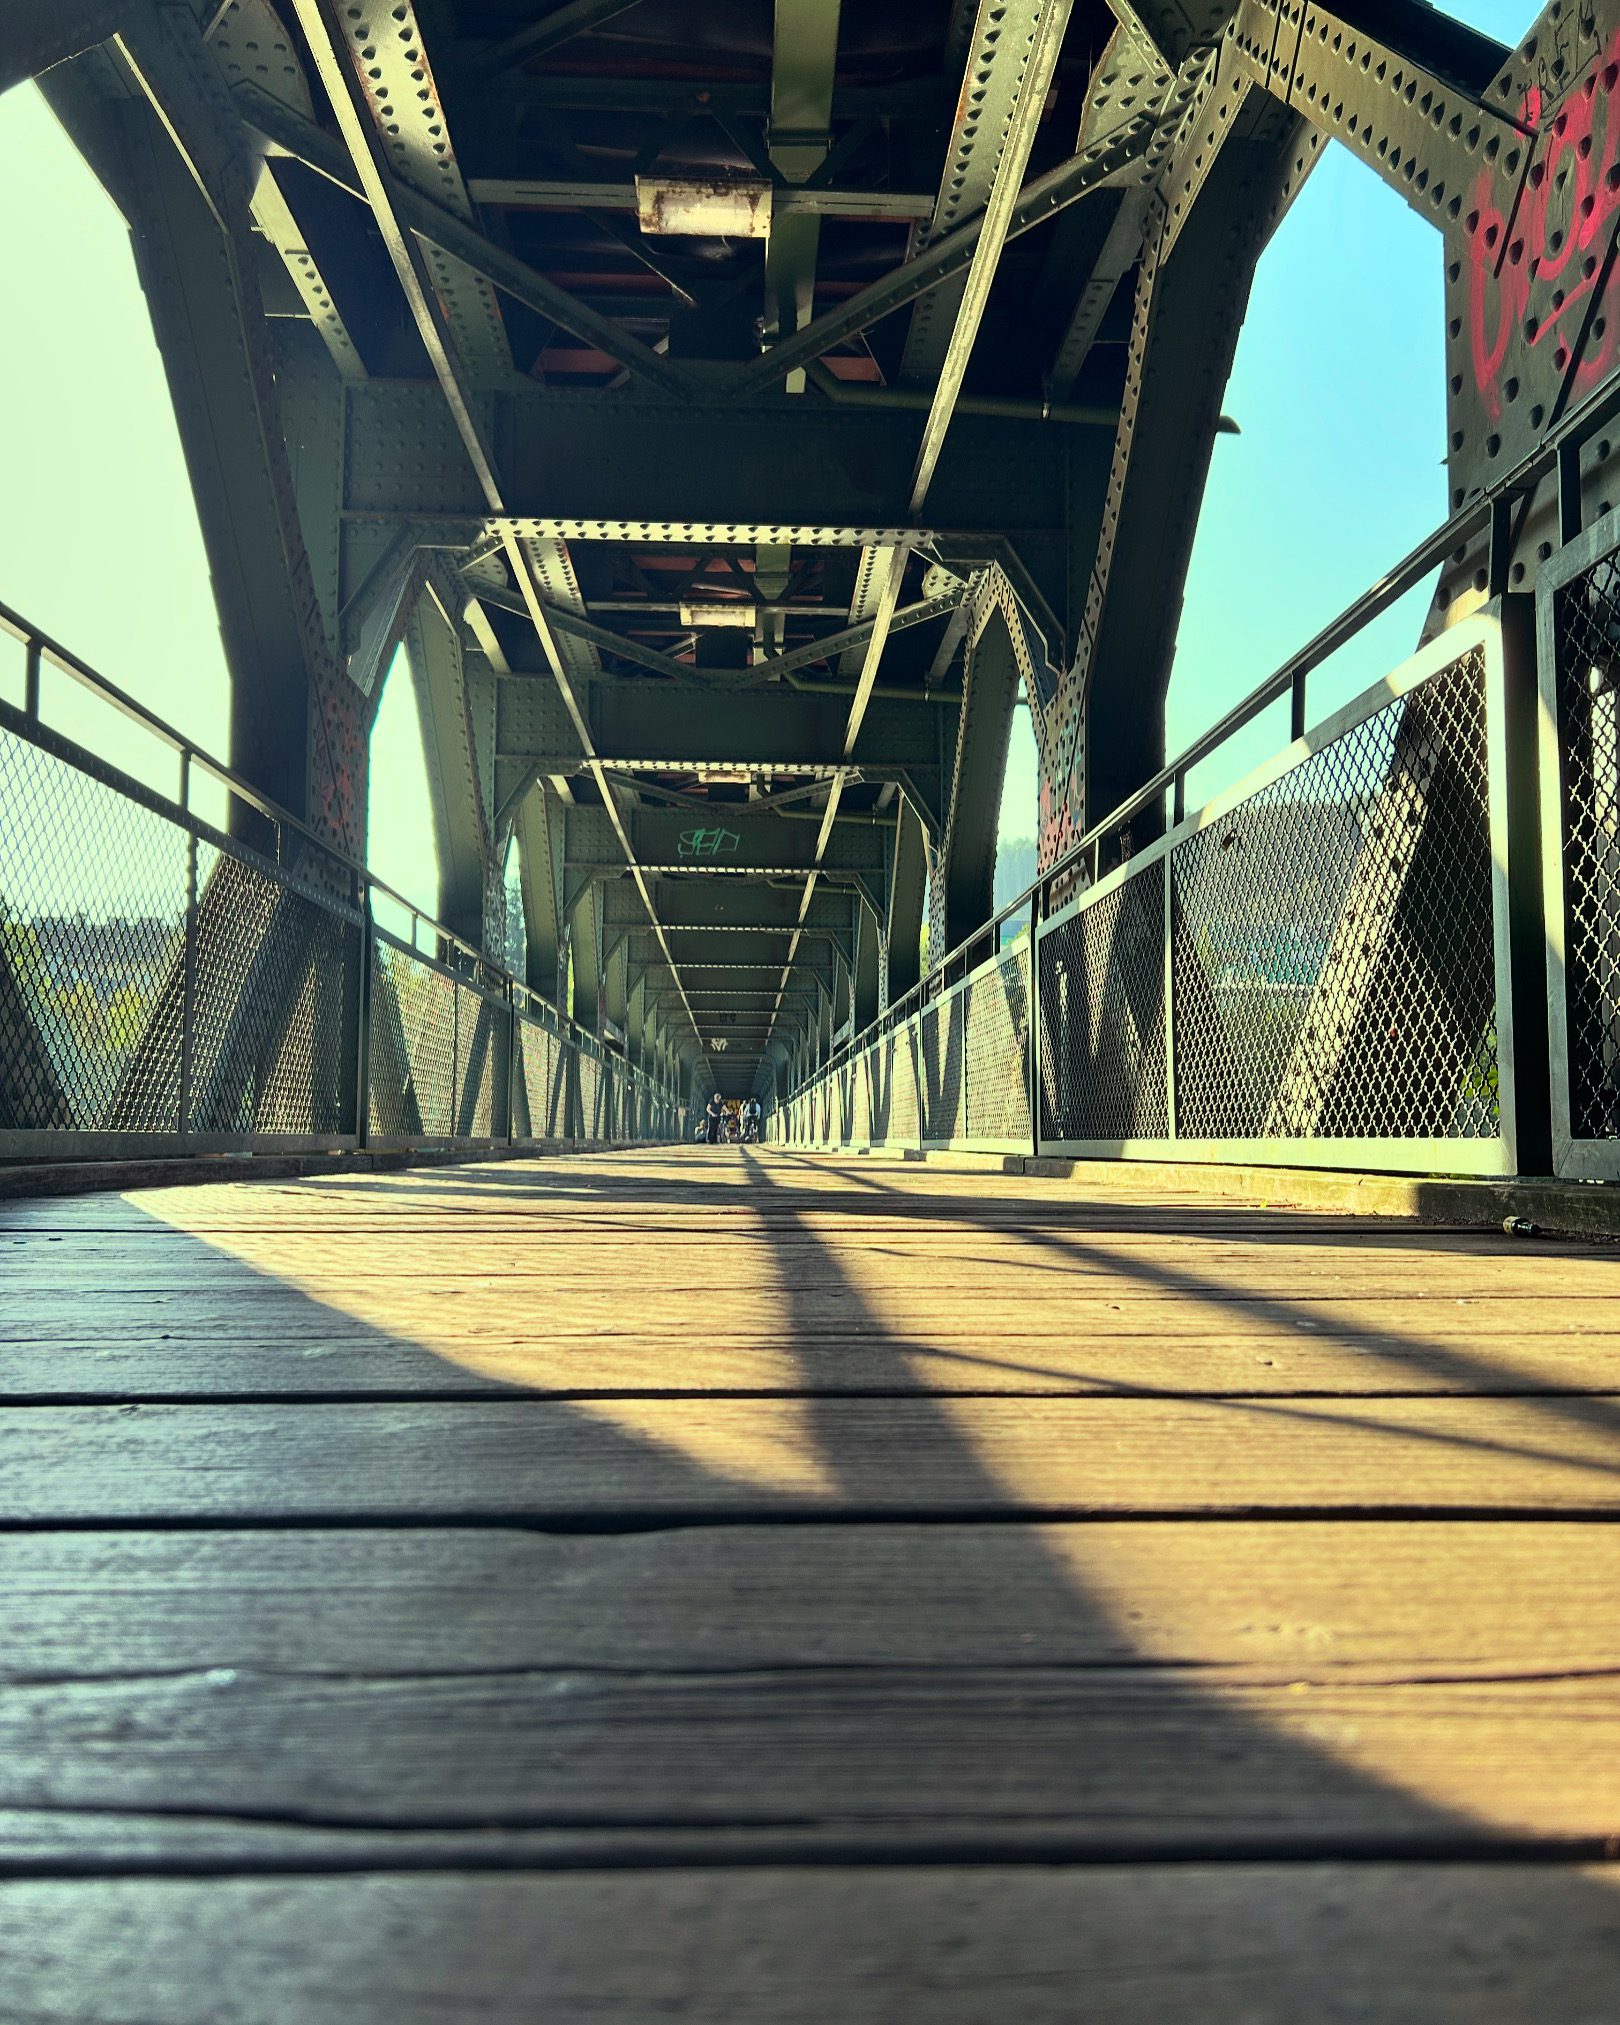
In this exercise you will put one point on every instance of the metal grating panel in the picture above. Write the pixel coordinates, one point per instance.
(941, 1035)
(844, 1105)
(1587, 675)
(481, 1029)
(274, 1004)
(902, 1085)
(413, 1046)
(1102, 1016)
(1334, 949)
(997, 1050)
(543, 1063)
(590, 1099)
(92, 917)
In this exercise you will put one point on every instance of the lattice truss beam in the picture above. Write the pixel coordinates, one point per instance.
(725, 542)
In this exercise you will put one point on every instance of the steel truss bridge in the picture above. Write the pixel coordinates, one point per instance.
(739, 419)
(1061, 1584)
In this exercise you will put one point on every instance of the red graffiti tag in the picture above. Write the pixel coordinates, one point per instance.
(1532, 265)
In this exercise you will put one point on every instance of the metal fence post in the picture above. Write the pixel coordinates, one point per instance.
(362, 1034)
(963, 995)
(1032, 1038)
(1170, 1085)
(455, 1058)
(188, 987)
(512, 1068)
(1524, 1069)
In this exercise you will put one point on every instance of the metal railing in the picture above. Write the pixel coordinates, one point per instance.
(180, 981)
(1396, 944)
(1317, 968)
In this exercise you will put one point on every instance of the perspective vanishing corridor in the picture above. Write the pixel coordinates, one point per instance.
(1099, 1508)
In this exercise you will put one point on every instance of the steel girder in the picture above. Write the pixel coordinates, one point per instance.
(1000, 48)
(651, 726)
(1512, 154)
(541, 834)
(963, 887)
(794, 469)
(804, 64)
(455, 699)
(1091, 168)
(586, 945)
(359, 90)
(1103, 731)
(729, 843)
(448, 236)
(35, 34)
(175, 163)
(737, 906)
(1505, 152)
(867, 968)
(908, 888)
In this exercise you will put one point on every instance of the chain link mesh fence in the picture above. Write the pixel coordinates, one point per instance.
(92, 926)
(276, 979)
(542, 1084)
(1334, 938)
(941, 1038)
(164, 986)
(1332, 943)
(997, 1050)
(901, 1072)
(413, 1046)
(589, 1086)
(1103, 1068)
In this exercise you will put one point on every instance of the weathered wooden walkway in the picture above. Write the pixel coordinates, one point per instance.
(721, 1586)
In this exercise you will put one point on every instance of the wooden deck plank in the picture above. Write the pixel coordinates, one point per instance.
(577, 1414)
(1294, 1599)
(181, 1350)
(1146, 1761)
(1372, 1944)
(667, 1458)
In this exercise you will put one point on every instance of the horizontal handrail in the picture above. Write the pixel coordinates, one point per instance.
(30, 722)
(1558, 454)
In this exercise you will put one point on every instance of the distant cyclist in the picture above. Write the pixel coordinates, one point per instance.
(750, 1121)
(714, 1117)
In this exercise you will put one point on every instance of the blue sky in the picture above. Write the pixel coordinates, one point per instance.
(1338, 389)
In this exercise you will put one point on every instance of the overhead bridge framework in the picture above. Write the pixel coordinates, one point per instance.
(737, 427)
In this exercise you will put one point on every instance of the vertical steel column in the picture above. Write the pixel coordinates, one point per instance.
(1524, 1070)
(455, 1059)
(915, 1030)
(1032, 1048)
(1170, 1089)
(362, 1036)
(188, 986)
(963, 996)
(31, 681)
(512, 1065)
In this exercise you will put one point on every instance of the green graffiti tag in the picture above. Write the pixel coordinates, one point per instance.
(699, 842)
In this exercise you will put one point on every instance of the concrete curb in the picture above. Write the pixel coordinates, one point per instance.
(92, 1177)
(1576, 1208)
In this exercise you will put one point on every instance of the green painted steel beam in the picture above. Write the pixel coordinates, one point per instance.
(35, 34)
(645, 725)
(438, 227)
(729, 906)
(1044, 197)
(627, 469)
